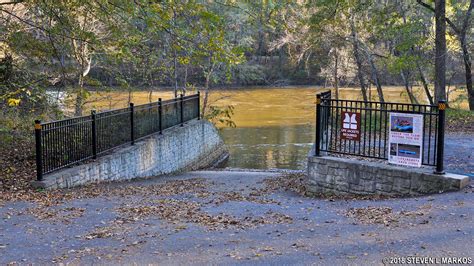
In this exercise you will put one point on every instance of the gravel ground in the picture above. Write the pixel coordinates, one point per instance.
(230, 217)
(459, 154)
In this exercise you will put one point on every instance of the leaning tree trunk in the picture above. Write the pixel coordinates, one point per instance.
(425, 84)
(375, 77)
(360, 75)
(468, 73)
(412, 97)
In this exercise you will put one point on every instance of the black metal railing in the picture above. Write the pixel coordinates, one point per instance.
(372, 136)
(66, 142)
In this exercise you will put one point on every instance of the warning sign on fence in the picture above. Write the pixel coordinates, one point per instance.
(350, 129)
(406, 139)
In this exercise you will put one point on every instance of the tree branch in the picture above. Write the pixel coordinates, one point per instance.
(11, 3)
(466, 18)
(451, 24)
(31, 24)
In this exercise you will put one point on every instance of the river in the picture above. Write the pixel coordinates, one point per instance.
(275, 126)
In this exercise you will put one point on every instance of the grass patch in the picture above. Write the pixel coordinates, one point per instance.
(459, 114)
(460, 121)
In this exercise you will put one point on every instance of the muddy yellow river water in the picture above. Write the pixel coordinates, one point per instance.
(275, 126)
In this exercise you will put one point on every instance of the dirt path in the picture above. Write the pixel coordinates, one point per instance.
(229, 217)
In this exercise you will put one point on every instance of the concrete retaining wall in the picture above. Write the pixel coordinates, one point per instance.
(196, 145)
(348, 176)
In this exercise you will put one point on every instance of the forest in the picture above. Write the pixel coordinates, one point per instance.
(75, 46)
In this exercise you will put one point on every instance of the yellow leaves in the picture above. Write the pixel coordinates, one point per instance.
(13, 102)
(452, 43)
(183, 60)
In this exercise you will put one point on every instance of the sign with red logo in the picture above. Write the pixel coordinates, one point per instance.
(350, 129)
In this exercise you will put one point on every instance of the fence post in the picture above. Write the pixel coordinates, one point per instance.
(94, 134)
(39, 151)
(181, 105)
(317, 148)
(132, 124)
(199, 105)
(160, 115)
(440, 144)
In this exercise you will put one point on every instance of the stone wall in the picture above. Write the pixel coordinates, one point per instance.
(196, 145)
(349, 176)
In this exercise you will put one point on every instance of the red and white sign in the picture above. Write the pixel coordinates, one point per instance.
(350, 129)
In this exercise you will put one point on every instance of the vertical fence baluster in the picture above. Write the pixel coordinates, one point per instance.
(387, 122)
(365, 128)
(181, 106)
(318, 126)
(423, 135)
(160, 115)
(199, 105)
(359, 106)
(39, 152)
(429, 137)
(132, 124)
(65, 143)
(57, 150)
(380, 127)
(328, 110)
(375, 130)
(331, 116)
(94, 134)
(440, 149)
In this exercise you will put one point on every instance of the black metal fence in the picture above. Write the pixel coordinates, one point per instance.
(66, 142)
(372, 135)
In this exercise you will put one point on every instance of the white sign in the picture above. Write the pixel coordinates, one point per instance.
(406, 139)
(350, 122)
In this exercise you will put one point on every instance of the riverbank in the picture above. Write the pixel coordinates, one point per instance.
(17, 163)
(222, 217)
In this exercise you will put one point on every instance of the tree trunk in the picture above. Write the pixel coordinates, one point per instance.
(206, 96)
(336, 81)
(206, 86)
(150, 95)
(441, 21)
(412, 97)
(80, 93)
(79, 96)
(360, 75)
(375, 76)
(468, 69)
(440, 44)
(425, 84)
(175, 73)
(185, 81)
